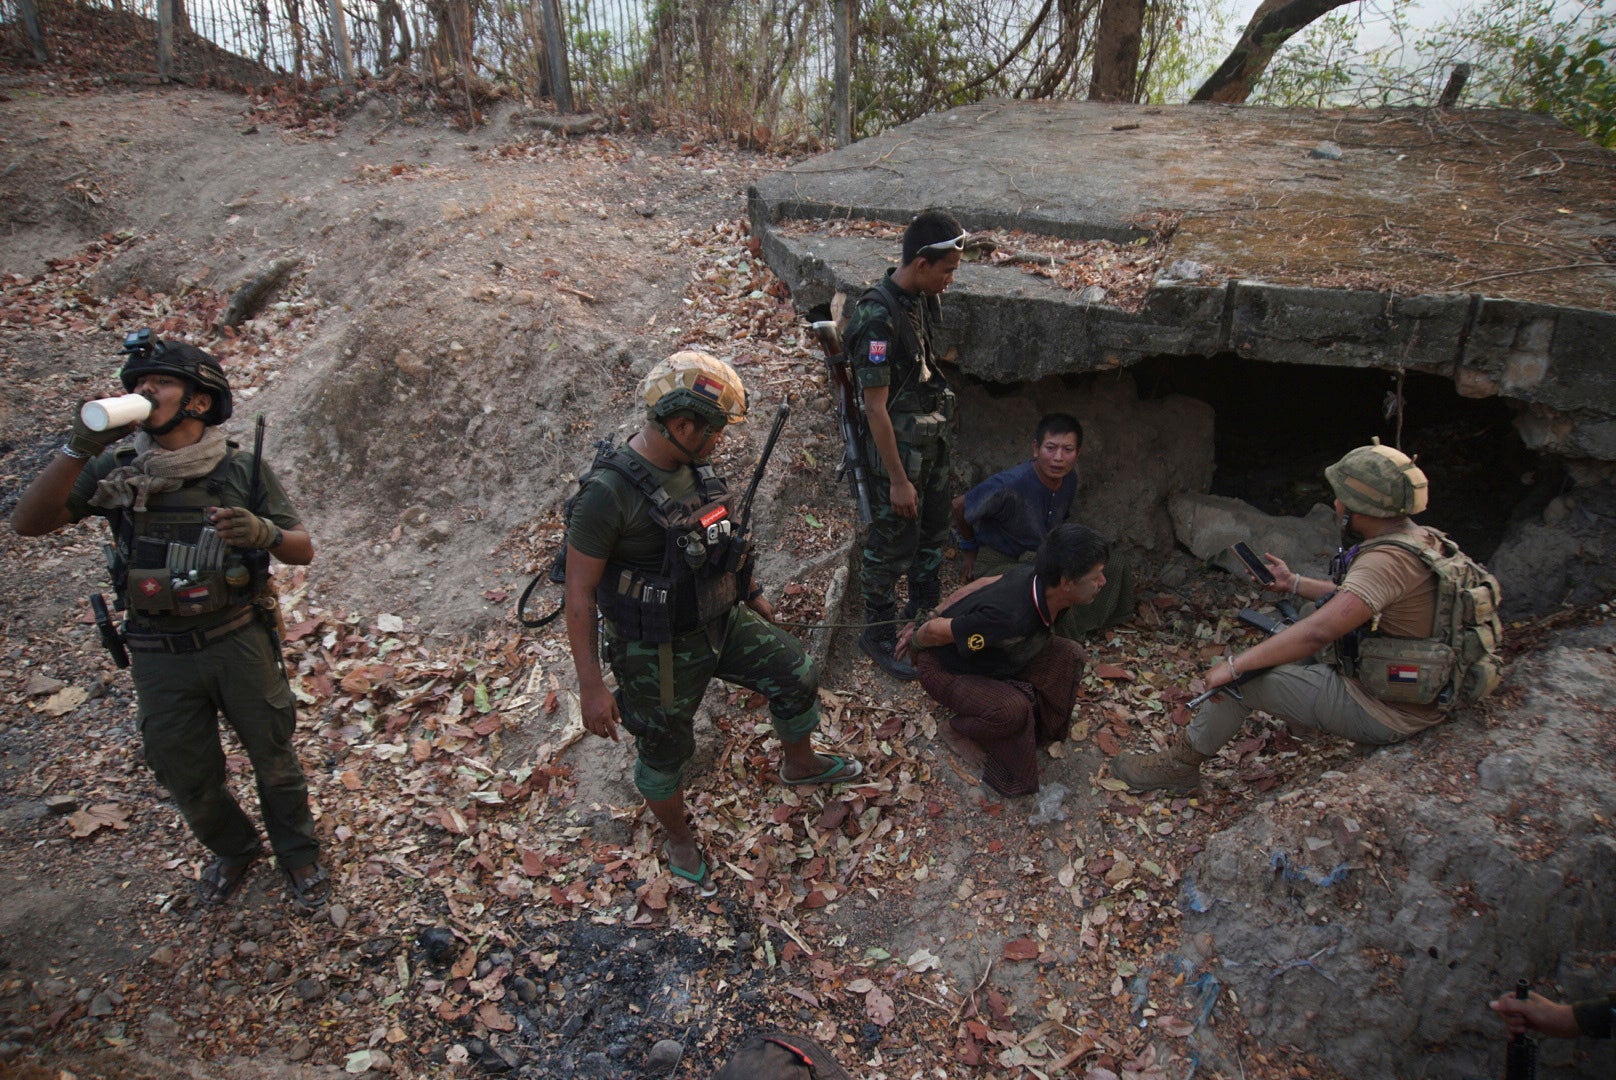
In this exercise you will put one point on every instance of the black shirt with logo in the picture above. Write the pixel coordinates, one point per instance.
(1000, 628)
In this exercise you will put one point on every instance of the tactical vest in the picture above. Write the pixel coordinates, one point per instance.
(1460, 663)
(920, 411)
(167, 560)
(706, 563)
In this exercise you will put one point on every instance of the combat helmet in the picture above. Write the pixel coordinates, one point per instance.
(149, 355)
(1378, 481)
(696, 382)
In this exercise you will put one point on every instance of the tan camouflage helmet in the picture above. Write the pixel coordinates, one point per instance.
(698, 382)
(1378, 481)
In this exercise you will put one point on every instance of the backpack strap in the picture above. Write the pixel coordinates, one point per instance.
(664, 505)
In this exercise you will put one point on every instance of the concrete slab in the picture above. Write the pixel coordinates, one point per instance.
(1473, 245)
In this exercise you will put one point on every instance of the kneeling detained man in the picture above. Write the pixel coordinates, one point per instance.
(192, 518)
(1411, 621)
(650, 548)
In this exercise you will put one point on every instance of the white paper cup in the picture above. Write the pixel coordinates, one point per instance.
(113, 412)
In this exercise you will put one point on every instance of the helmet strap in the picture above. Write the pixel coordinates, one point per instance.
(182, 414)
(690, 455)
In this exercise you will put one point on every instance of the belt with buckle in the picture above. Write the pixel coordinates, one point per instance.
(191, 640)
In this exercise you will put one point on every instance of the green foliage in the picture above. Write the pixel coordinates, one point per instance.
(1538, 55)
(908, 64)
(1183, 40)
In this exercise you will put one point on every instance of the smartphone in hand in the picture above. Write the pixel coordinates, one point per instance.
(1258, 568)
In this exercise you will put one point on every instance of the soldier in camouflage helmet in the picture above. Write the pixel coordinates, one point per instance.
(909, 409)
(1383, 595)
(651, 554)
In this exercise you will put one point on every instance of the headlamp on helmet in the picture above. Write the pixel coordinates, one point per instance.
(695, 382)
(1378, 481)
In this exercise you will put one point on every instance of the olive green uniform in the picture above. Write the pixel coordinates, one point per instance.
(240, 674)
(659, 689)
(902, 358)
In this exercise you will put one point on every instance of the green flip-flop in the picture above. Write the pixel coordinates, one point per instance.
(700, 878)
(841, 772)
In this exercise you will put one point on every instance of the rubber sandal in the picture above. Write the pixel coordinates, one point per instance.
(222, 880)
(312, 892)
(700, 878)
(844, 770)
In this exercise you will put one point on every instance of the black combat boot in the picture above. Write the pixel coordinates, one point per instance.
(880, 642)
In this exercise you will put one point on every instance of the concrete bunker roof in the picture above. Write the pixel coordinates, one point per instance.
(1479, 245)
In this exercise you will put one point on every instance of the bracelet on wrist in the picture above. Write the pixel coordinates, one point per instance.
(67, 449)
(1233, 671)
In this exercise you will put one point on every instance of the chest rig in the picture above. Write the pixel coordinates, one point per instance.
(706, 562)
(921, 411)
(167, 560)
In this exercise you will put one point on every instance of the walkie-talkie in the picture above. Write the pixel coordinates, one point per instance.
(1520, 1057)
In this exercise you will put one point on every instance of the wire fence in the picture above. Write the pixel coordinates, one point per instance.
(763, 69)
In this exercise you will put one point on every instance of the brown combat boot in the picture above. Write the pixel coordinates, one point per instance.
(1175, 770)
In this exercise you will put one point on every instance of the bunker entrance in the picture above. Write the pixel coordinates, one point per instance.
(1278, 425)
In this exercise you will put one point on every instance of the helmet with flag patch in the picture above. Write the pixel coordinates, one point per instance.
(695, 382)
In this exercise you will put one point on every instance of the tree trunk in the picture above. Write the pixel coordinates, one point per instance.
(339, 43)
(1116, 51)
(451, 49)
(165, 39)
(36, 33)
(388, 15)
(1272, 25)
(841, 101)
(555, 45)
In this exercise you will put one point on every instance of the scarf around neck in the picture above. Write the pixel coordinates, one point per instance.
(155, 470)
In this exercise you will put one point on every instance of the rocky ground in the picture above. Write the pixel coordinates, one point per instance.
(467, 312)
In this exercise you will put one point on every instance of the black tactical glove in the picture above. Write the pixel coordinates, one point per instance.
(82, 441)
(243, 529)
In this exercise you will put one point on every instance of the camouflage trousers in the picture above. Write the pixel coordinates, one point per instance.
(896, 546)
(658, 695)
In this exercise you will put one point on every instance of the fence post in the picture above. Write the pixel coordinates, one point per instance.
(36, 34)
(339, 40)
(165, 39)
(556, 51)
(841, 105)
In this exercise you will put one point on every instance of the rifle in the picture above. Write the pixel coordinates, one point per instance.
(1520, 1056)
(849, 418)
(111, 640)
(256, 560)
(780, 416)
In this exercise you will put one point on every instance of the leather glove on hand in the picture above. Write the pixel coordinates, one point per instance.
(243, 529)
(82, 440)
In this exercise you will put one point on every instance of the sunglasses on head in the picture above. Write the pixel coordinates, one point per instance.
(956, 244)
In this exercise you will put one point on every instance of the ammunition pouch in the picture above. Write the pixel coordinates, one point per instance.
(921, 430)
(1402, 671)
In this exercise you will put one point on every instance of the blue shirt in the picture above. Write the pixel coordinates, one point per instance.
(1012, 511)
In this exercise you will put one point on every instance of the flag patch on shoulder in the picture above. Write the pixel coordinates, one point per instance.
(878, 352)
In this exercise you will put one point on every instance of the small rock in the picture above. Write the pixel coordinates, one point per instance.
(380, 1061)
(664, 1056)
(1091, 295)
(100, 1006)
(527, 991)
(274, 971)
(61, 804)
(39, 683)
(1326, 150)
(221, 950)
(339, 915)
(247, 948)
(163, 954)
(438, 942)
(161, 1027)
(310, 989)
(439, 531)
(300, 1050)
(1183, 270)
(410, 364)
(1504, 772)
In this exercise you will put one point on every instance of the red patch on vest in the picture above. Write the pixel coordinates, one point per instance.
(151, 586)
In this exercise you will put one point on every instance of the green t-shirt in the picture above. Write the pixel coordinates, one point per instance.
(611, 519)
(272, 505)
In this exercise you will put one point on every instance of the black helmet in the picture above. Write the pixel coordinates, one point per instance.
(149, 354)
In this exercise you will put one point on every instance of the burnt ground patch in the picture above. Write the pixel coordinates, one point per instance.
(590, 1000)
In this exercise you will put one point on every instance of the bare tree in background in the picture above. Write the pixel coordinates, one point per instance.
(1273, 24)
(1116, 51)
(389, 14)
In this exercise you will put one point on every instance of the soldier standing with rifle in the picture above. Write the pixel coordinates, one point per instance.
(193, 522)
(908, 410)
(655, 552)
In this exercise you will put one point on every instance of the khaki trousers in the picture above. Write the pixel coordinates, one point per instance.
(1312, 695)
